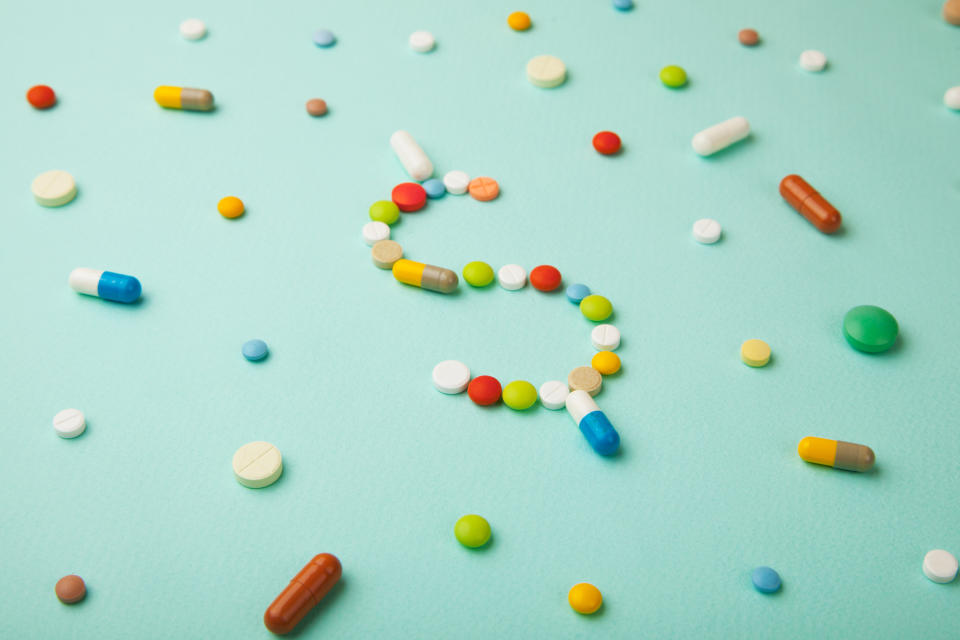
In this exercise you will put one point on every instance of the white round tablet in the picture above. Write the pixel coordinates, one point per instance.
(546, 71)
(257, 464)
(952, 98)
(69, 423)
(456, 182)
(193, 29)
(812, 60)
(553, 394)
(940, 566)
(375, 231)
(706, 231)
(451, 376)
(54, 188)
(605, 337)
(422, 41)
(512, 277)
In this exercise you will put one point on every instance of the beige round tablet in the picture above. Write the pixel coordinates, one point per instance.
(54, 188)
(546, 72)
(586, 378)
(385, 253)
(257, 464)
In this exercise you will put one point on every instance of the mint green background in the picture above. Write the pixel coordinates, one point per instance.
(378, 465)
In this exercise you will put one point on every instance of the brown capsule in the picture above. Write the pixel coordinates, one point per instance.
(810, 203)
(303, 593)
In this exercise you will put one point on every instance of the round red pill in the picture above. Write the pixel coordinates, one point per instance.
(545, 278)
(484, 390)
(41, 96)
(606, 142)
(409, 196)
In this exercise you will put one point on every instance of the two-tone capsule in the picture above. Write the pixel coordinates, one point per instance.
(183, 98)
(425, 276)
(105, 284)
(720, 136)
(303, 593)
(593, 423)
(810, 204)
(836, 453)
(411, 156)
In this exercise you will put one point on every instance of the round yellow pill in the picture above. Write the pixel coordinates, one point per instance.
(585, 598)
(518, 21)
(230, 207)
(755, 353)
(606, 362)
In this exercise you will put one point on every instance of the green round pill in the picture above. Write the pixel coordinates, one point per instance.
(384, 211)
(472, 531)
(519, 395)
(478, 274)
(870, 329)
(596, 308)
(673, 76)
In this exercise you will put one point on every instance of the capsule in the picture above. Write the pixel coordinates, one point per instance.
(836, 453)
(105, 284)
(811, 205)
(594, 425)
(303, 593)
(720, 136)
(425, 276)
(411, 156)
(183, 98)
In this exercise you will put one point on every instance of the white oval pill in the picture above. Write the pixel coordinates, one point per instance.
(69, 423)
(952, 98)
(553, 394)
(721, 135)
(940, 566)
(451, 376)
(706, 231)
(546, 72)
(375, 231)
(813, 60)
(512, 277)
(257, 464)
(422, 41)
(456, 182)
(54, 188)
(193, 29)
(605, 337)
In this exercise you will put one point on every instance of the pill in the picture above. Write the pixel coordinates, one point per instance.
(316, 107)
(478, 274)
(755, 353)
(304, 592)
(257, 465)
(810, 204)
(765, 580)
(951, 12)
(456, 182)
(386, 253)
(585, 379)
(41, 96)
(577, 292)
(596, 308)
(422, 41)
(385, 211)
(813, 60)
(606, 143)
(434, 188)
(940, 566)
(484, 390)
(69, 423)
(605, 337)
(584, 597)
(593, 423)
(70, 589)
(231, 207)
(836, 453)
(409, 196)
(512, 277)
(870, 329)
(411, 156)
(254, 350)
(53, 188)
(519, 395)
(104, 284)
(484, 189)
(193, 29)
(706, 231)
(952, 98)
(546, 72)
(451, 376)
(375, 231)
(324, 38)
(545, 278)
(472, 531)
(606, 362)
(183, 98)
(425, 276)
(673, 76)
(623, 5)
(720, 136)
(748, 37)
(518, 21)
(553, 394)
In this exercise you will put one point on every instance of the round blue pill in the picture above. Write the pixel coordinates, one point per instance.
(324, 38)
(434, 188)
(765, 580)
(254, 350)
(577, 292)
(623, 5)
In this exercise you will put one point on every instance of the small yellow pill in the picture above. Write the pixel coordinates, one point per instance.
(755, 353)
(606, 362)
(518, 21)
(585, 598)
(230, 207)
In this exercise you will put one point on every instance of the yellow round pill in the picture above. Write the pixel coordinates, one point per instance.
(606, 362)
(230, 207)
(518, 21)
(755, 353)
(585, 598)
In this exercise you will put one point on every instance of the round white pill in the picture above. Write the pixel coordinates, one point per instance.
(605, 337)
(940, 566)
(813, 60)
(422, 41)
(257, 464)
(546, 72)
(451, 376)
(952, 98)
(69, 423)
(553, 394)
(706, 231)
(375, 231)
(54, 188)
(512, 277)
(456, 182)
(193, 29)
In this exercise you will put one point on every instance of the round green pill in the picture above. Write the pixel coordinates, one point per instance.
(596, 308)
(673, 76)
(384, 211)
(478, 274)
(519, 395)
(472, 531)
(870, 329)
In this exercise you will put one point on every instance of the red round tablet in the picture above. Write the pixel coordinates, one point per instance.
(606, 142)
(545, 278)
(41, 96)
(409, 196)
(484, 390)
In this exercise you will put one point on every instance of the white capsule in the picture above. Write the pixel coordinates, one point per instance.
(411, 156)
(720, 136)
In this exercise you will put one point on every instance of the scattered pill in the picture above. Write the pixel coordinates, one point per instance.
(810, 204)
(409, 196)
(456, 182)
(231, 207)
(518, 21)
(434, 188)
(451, 377)
(584, 598)
(385, 211)
(605, 337)
(105, 284)
(70, 589)
(596, 308)
(755, 353)
(720, 136)
(324, 38)
(484, 390)
(69, 423)
(593, 423)
(193, 29)
(472, 531)
(257, 465)
(813, 60)
(706, 231)
(940, 566)
(606, 143)
(585, 379)
(41, 96)
(870, 329)
(519, 395)
(375, 231)
(673, 76)
(304, 592)
(765, 580)
(54, 188)
(425, 276)
(484, 189)
(577, 292)
(254, 350)
(748, 37)
(512, 277)
(553, 394)
(183, 98)
(386, 253)
(478, 274)
(546, 72)
(411, 156)
(951, 12)
(422, 41)
(606, 362)
(836, 453)
(623, 5)
(952, 98)
(316, 107)
(545, 278)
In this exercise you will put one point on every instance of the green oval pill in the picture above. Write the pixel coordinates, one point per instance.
(870, 329)
(673, 76)
(596, 308)
(478, 274)
(472, 531)
(519, 395)
(384, 211)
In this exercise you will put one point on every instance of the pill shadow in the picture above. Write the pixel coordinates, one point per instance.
(306, 625)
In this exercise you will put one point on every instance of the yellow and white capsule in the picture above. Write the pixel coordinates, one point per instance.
(836, 453)
(183, 98)
(425, 276)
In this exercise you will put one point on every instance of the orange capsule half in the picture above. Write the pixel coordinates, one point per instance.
(810, 203)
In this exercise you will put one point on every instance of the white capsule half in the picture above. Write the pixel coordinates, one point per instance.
(411, 156)
(580, 403)
(720, 136)
(87, 281)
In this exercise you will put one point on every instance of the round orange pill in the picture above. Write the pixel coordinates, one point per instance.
(484, 189)
(518, 21)
(230, 207)
(606, 362)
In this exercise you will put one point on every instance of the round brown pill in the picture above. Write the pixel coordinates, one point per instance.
(385, 253)
(748, 37)
(585, 378)
(951, 12)
(70, 589)
(316, 107)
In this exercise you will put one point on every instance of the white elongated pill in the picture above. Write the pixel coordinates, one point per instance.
(952, 98)
(86, 281)
(706, 231)
(411, 156)
(813, 60)
(422, 41)
(553, 394)
(512, 277)
(605, 337)
(193, 29)
(451, 376)
(375, 231)
(940, 566)
(69, 423)
(54, 188)
(257, 464)
(720, 136)
(456, 182)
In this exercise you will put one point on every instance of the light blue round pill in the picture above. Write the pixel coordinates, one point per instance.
(434, 188)
(324, 38)
(577, 292)
(765, 580)
(254, 350)
(623, 5)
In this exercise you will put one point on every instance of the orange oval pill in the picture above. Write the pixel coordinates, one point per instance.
(230, 207)
(484, 189)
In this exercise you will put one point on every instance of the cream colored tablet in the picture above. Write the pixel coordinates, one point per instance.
(553, 394)
(385, 253)
(54, 188)
(422, 41)
(546, 72)
(193, 29)
(257, 464)
(69, 423)
(586, 379)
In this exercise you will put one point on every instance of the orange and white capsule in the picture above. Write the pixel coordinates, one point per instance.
(425, 276)
(836, 453)
(183, 98)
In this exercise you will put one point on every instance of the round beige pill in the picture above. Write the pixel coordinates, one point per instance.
(385, 253)
(546, 72)
(257, 464)
(585, 378)
(54, 188)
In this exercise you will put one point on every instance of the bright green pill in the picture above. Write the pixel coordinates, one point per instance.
(519, 395)
(596, 308)
(673, 76)
(384, 211)
(870, 329)
(478, 274)
(472, 531)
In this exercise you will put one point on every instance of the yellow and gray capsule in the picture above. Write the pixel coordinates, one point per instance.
(425, 276)
(183, 98)
(836, 453)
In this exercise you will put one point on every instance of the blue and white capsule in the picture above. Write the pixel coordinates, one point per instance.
(593, 423)
(105, 284)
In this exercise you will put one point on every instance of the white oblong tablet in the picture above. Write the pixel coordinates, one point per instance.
(375, 231)
(69, 423)
(553, 394)
(422, 41)
(512, 277)
(257, 464)
(546, 72)
(193, 29)
(605, 337)
(54, 188)
(813, 60)
(940, 566)
(456, 182)
(411, 156)
(720, 136)
(451, 376)
(706, 231)
(952, 98)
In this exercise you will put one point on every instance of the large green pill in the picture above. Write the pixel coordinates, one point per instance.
(384, 211)
(519, 395)
(870, 329)
(472, 531)
(596, 308)
(478, 274)
(673, 76)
